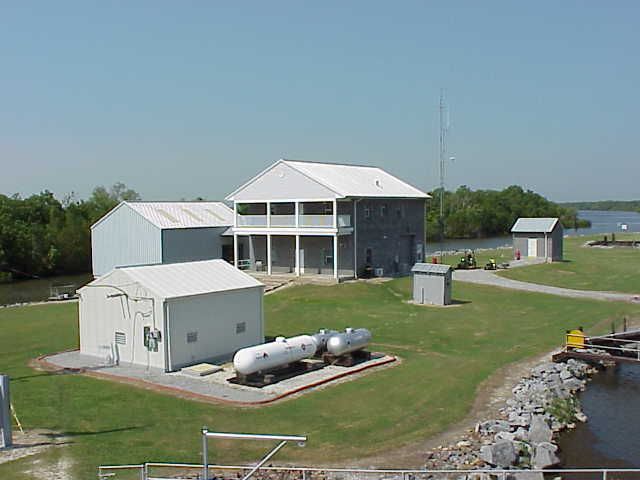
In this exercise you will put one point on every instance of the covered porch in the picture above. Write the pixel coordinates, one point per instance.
(299, 255)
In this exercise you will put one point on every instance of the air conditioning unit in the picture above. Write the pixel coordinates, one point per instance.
(379, 272)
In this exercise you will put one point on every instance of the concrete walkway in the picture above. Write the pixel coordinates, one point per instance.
(485, 277)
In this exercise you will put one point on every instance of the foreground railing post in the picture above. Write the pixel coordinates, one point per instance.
(205, 460)
(604, 475)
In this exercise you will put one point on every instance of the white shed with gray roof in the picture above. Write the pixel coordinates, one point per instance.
(170, 316)
(538, 238)
(432, 283)
(149, 233)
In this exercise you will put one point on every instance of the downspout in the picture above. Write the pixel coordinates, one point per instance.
(165, 326)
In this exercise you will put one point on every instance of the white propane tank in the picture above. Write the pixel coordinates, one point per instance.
(349, 341)
(275, 354)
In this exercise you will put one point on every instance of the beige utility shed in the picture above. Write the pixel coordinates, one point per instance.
(171, 316)
(432, 283)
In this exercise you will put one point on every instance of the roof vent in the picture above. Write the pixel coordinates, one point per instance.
(378, 184)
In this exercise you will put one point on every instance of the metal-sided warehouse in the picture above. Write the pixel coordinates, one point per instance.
(171, 316)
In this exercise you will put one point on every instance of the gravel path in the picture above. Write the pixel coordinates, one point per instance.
(485, 277)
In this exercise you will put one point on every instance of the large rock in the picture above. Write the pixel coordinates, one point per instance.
(525, 476)
(500, 454)
(539, 430)
(544, 457)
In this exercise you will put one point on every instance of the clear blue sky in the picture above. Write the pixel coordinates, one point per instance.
(184, 99)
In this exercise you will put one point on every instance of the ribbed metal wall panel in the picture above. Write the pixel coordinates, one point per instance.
(124, 239)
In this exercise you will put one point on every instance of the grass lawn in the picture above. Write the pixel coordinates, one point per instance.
(588, 268)
(446, 354)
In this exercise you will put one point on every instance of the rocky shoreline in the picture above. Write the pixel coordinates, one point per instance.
(542, 404)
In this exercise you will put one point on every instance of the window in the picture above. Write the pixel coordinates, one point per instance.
(121, 338)
(145, 336)
(368, 256)
(241, 327)
(383, 210)
(367, 211)
(400, 211)
(192, 337)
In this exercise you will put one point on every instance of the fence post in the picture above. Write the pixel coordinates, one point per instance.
(604, 474)
(304, 475)
(205, 460)
(5, 412)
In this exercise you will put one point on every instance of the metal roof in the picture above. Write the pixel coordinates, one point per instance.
(534, 225)
(176, 280)
(165, 215)
(349, 180)
(435, 268)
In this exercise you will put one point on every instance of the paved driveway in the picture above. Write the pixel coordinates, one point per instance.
(485, 277)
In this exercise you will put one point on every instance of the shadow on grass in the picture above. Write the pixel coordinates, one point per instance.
(93, 432)
(460, 302)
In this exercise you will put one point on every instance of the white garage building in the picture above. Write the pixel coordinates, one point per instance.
(171, 316)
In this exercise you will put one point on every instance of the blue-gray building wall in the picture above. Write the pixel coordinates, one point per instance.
(393, 230)
(192, 244)
(124, 238)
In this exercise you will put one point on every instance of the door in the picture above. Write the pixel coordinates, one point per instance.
(532, 247)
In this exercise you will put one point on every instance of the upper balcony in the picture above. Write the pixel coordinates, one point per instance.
(290, 215)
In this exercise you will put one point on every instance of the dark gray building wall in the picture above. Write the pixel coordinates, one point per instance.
(394, 231)
(191, 244)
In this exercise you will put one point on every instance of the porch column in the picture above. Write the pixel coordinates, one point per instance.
(335, 257)
(335, 214)
(268, 214)
(235, 250)
(297, 254)
(297, 213)
(268, 254)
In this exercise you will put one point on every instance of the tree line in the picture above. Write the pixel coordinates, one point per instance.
(485, 213)
(41, 235)
(615, 205)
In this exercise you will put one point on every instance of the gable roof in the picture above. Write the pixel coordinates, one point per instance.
(435, 268)
(177, 280)
(534, 225)
(165, 215)
(348, 180)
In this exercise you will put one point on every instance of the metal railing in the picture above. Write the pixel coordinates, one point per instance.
(149, 471)
(283, 220)
(252, 220)
(315, 220)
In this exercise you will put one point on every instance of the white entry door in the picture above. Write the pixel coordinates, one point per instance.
(532, 245)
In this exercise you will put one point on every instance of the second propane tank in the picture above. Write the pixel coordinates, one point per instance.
(349, 341)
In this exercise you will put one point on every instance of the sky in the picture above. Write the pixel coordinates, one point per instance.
(185, 99)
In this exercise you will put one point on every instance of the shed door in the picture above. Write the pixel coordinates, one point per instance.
(532, 244)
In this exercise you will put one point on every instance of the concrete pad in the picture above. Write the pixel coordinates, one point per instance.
(213, 387)
(201, 369)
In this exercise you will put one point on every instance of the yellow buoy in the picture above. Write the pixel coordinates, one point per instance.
(575, 339)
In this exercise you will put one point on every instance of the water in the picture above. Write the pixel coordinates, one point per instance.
(37, 290)
(611, 436)
(602, 222)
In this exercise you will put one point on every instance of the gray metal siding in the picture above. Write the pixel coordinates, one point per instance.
(125, 238)
(557, 243)
(394, 238)
(191, 244)
(554, 243)
(432, 289)
(214, 318)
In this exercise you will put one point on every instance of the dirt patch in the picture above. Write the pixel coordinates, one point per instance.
(31, 442)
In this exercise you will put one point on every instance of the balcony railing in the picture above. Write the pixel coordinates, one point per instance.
(252, 220)
(304, 221)
(283, 220)
(316, 221)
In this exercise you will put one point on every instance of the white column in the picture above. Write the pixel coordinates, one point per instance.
(235, 214)
(268, 254)
(335, 214)
(235, 250)
(297, 213)
(268, 214)
(297, 254)
(335, 257)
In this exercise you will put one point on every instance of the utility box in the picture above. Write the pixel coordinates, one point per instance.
(432, 283)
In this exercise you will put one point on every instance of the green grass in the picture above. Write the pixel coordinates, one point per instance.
(446, 354)
(588, 268)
